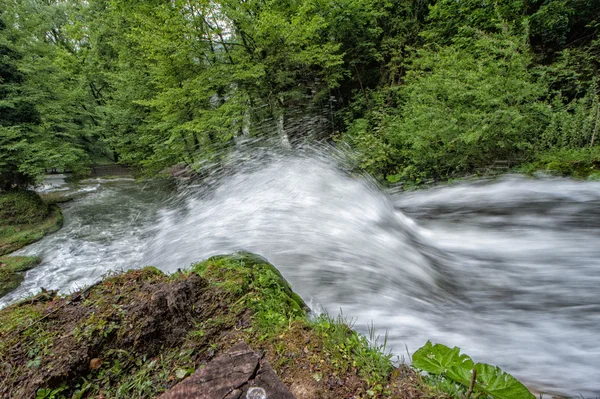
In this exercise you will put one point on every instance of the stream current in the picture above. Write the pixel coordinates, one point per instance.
(508, 270)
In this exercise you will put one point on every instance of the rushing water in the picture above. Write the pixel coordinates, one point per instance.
(508, 270)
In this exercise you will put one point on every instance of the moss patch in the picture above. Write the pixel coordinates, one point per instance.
(11, 271)
(16, 236)
(137, 334)
(21, 207)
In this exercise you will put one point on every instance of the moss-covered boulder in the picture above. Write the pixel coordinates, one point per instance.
(24, 219)
(21, 207)
(12, 270)
(137, 334)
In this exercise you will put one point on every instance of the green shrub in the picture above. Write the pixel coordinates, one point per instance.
(461, 108)
(572, 125)
(467, 106)
(579, 163)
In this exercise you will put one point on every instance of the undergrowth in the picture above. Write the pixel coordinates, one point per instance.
(581, 163)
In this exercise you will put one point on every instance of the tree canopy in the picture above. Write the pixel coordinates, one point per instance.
(420, 89)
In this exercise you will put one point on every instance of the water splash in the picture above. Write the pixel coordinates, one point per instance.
(336, 234)
(508, 270)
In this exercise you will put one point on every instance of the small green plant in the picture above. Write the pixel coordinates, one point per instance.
(48, 393)
(482, 378)
(350, 349)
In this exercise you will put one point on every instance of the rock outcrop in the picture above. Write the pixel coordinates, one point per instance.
(238, 373)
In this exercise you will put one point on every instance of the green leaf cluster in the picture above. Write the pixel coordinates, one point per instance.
(480, 377)
(40, 118)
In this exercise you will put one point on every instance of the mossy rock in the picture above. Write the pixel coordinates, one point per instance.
(14, 237)
(244, 270)
(22, 207)
(12, 270)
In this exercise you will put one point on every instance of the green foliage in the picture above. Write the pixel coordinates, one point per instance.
(494, 81)
(464, 106)
(450, 19)
(47, 393)
(550, 24)
(351, 349)
(21, 207)
(441, 360)
(499, 384)
(183, 79)
(573, 125)
(468, 107)
(426, 89)
(37, 108)
(580, 163)
(557, 26)
(373, 151)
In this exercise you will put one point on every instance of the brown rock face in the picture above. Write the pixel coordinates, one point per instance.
(239, 373)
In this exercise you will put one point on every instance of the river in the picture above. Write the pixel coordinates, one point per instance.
(508, 270)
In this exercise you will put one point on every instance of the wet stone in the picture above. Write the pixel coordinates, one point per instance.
(239, 373)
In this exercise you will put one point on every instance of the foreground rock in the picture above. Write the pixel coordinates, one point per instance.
(142, 334)
(238, 373)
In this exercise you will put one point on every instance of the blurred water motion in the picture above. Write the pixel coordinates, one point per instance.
(508, 270)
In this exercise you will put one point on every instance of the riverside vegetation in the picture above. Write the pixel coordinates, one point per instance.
(420, 90)
(24, 218)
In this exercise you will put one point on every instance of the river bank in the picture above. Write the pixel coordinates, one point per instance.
(27, 216)
(139, 333)
(24, 219)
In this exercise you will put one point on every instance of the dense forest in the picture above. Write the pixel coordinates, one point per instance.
(420, 90)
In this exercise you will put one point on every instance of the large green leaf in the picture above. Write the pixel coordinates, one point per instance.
(440, 359)
(499, 384)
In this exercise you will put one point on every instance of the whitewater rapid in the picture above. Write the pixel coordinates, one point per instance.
(509, 270)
